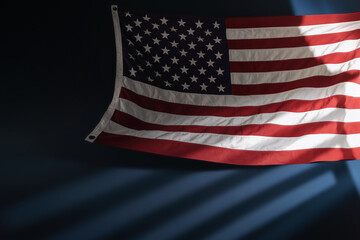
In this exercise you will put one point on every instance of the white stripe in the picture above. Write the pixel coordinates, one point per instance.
(254, 143)
(292, 75)
(280, 118)
(279, 32)
(348, 88)
(236, 55)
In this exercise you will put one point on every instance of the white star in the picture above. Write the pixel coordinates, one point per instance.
(156, 41)
(193, 78)
(209, 46)
(155, 26)
(166, 68)
(128, 28)
(127, 14)
(138, 37)
(174, 60)
(148, 64)
(202, 71)
(150, 79)
(192, 45)
(165, 34)
(200, 39)
(165, 51)
(181, 22)
(199, 24)
(190, 31)
(174, 44)
(217, 40)
(175, 77)
(184, 69)
(167, 84)
(203, 87)
(140, 68)
(157, 74)
(147, 48)
(192, 62)
(147, 32)
(133, 72)
(201, 54)
(146, 18)
(185, 86)
(221, 88)
(183, 52)
(163, 20)
(131, 57)
(216, 24)
(182, 36)
(156, 58)
(220, 71)
(207, 32)
(218, 55)
(210, 63)
(137, 22)
(173, 29)
(130, 42)
(212, 79)
(139, 53)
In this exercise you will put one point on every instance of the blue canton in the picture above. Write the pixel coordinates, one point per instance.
(177, 53)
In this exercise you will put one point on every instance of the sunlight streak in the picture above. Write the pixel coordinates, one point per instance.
(57, 200)
(119, 217)
(236, 195)
(275, 208)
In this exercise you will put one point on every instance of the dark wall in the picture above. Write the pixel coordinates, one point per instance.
(57, 74)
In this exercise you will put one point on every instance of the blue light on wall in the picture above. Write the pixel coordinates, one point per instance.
(307, 7)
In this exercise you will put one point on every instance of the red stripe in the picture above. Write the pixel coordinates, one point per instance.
(289, 42)
(313, 82)
(224, 155)
(288, 21)
(338, 101)
(270, 130)
(293, 64)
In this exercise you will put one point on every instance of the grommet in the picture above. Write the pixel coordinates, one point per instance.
(114, 8)
(92, 137)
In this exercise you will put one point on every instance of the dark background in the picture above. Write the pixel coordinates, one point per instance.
(57, 76)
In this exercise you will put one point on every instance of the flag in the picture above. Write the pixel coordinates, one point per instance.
(246, 91)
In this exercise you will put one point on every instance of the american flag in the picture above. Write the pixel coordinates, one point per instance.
(247, 91)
